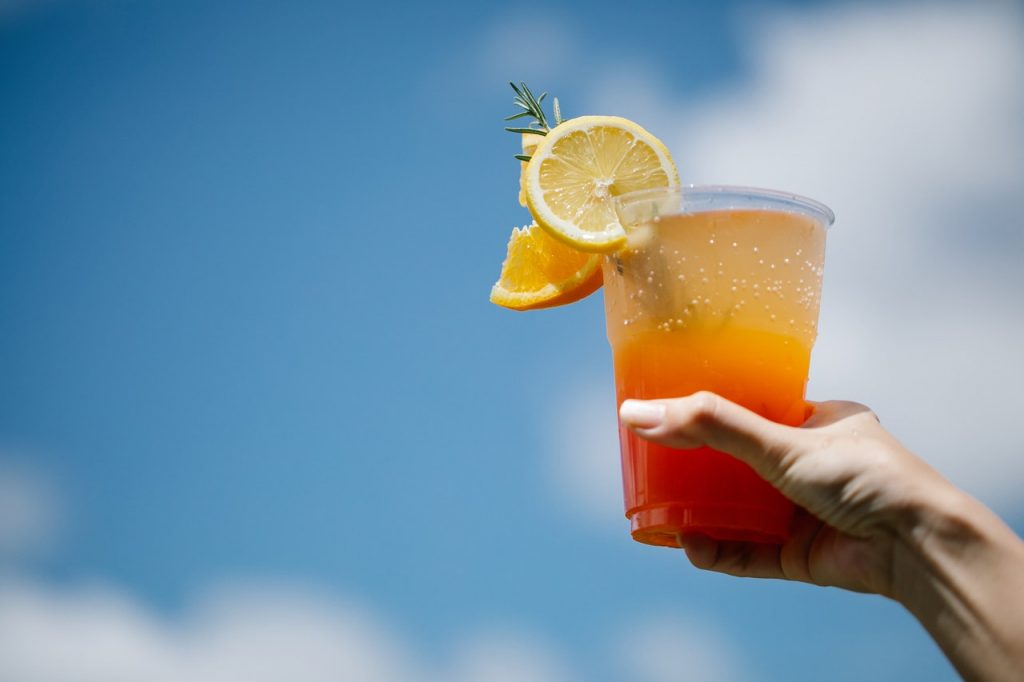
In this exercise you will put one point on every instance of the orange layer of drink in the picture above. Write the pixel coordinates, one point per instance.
(718, 289)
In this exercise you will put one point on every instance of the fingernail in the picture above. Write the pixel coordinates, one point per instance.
(642, 414)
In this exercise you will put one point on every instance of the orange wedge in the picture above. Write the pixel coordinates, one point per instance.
(542, 272)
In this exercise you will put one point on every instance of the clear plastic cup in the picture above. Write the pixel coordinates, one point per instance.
(718, 289)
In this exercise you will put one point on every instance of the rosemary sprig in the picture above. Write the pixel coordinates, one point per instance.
(532, 107)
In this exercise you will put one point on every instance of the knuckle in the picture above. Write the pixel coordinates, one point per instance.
(781, 465)
(860, 410)
(745, 558)
(705, 407)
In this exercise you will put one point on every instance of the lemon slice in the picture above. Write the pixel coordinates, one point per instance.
(540, 272)
(581, 166)
(530, 143)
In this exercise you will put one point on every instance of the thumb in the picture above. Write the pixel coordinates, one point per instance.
(708, 419)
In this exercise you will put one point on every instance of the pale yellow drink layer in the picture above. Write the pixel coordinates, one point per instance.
(745, 269)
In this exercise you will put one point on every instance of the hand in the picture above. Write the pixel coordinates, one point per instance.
(875, 518)
(860, 488)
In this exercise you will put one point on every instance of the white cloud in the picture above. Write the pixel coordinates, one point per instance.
(484, 61)
(246, 634)
(499, 53)
(30, 516)
(892, 114)
(670, 649)
(507, 657)
(255, 633)
(103, 634)
(908, 119)
(587, 475)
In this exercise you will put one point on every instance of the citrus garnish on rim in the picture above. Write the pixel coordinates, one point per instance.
(540, 272)
(570, 174)
(578, 169)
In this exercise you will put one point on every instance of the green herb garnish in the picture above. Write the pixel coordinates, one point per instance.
(531, 107)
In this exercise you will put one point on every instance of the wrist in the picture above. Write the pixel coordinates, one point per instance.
(960, 575)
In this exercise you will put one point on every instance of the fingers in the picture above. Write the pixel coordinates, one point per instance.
(789, 561)
(707, 419)
(741, 559)
(838, 562)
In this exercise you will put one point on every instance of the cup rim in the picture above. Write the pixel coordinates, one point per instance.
(687, 193)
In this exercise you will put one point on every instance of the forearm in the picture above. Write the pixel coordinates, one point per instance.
(961, 573)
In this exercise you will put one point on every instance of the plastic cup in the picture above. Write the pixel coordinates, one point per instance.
(718, 289)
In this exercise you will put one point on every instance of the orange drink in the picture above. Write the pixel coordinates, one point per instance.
(716, 289)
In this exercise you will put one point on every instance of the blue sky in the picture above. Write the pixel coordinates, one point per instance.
(245, 252)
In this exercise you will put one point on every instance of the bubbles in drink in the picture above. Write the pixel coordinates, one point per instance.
(694, 274)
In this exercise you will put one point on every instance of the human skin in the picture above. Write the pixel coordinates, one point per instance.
(874, 518)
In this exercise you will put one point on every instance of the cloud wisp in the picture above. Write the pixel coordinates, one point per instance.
(258, 632)
(30, 512)
(239, 630)
(252, 633)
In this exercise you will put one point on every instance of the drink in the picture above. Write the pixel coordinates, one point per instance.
(712, 288)
(718, 289)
